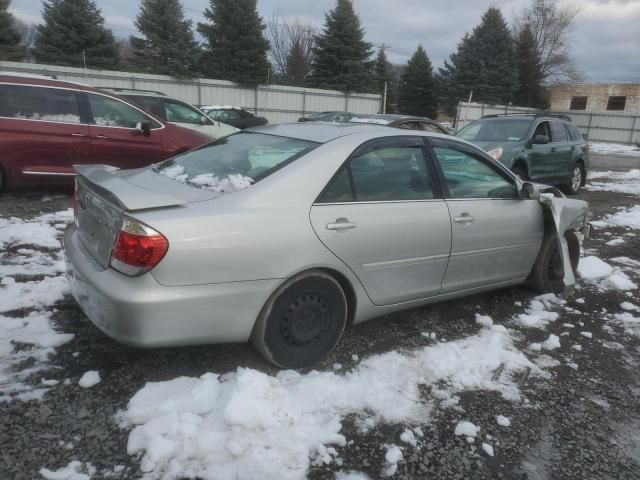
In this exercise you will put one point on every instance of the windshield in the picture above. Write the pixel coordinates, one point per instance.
(234, 162)
(495, 130)
(181, 113)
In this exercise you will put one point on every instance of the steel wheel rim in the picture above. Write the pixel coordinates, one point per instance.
(577, 178)
(305, 320)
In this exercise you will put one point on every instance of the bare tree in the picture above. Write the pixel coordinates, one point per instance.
(291, 50)
(551, 26)
(28, 32)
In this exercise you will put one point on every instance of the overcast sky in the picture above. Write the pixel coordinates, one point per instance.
(605, 41)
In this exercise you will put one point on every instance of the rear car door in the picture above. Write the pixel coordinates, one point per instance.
(115, 138)
(496, 235)
(561, 149)
(42, 133)
(385, 219)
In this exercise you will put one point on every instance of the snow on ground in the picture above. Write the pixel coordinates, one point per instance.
(617, 148)
(466, 428)
(73, 471)
(29, 248)
(247, 424)
(605, 276)
(619, 182)
(488, 449)
(537, 314)
(624, 217)
(629, 322)
(392, 457)
(89, 379)
(503, 421)
(351, 475)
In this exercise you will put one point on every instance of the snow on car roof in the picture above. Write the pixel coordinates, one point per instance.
(220, 107)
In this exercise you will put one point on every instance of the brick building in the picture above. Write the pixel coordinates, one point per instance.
(621, 97)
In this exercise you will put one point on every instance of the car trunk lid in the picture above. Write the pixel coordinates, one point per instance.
(105, 194)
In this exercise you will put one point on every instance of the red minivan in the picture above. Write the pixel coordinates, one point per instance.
(47, 126)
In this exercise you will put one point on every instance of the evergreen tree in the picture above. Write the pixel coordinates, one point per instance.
(10, 46)
(341, 54)
(168, 46)
(530, 92)
(484, 63)
(236, 47)
(71, 27)
(381, 71)
(297, 65)
(417, 94)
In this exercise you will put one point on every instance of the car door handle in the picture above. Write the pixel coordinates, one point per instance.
(82, 135)
(464, 218)
(102, 137)
(341, 224)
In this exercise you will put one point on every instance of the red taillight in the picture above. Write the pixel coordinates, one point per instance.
(138, 248)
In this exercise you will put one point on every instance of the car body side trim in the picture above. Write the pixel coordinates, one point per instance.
(472, 253)
(35, 172)
(403, 263)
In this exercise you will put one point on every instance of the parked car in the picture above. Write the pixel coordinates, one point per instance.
(47, 126)
(402, 121)
(541, 147)
(235, 116)
(339, 117)
(176, 112)
(286, 233)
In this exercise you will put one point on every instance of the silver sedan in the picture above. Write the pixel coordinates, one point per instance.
(287, 233)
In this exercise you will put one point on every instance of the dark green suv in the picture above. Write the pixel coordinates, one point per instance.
(542, 148)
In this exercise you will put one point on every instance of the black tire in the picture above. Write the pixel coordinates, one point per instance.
(574, 249)
(519, 172)
(302, 321)
(576, 180)
(547, 275)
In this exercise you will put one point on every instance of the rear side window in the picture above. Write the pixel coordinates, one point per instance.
(573, 133)
(558, 132)
(150, 104)
(339, 190)
(109, 112)
(234, 162)
(39, 103)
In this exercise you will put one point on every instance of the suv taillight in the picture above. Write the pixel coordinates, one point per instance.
(138, 248)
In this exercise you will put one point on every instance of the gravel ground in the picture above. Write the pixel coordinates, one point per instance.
(581, 423)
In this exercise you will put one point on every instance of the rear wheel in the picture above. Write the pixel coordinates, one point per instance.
(302, 321)
(547, 275)
(577, 179)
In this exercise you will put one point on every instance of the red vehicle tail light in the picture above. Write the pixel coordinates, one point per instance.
(138, 248)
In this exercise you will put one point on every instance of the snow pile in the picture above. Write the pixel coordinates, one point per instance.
(626, 217)
(247, 424)
(537, 314)
(466, 429)
(629, 322)
(30, 248)
(607, 277)
(175, 171)
(617, 148)
(89, 379)
(484, 320)
(73, 471)
(503, 421)
(351, 475)
(392, 457)
(551, 343)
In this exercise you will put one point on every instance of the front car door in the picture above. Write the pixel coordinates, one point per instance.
(384, 218)
(115, 138)
(42, 133)
(496, 235)
(562, 151)
(540, 155)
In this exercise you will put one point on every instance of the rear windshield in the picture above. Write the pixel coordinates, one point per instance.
(234, 162)
(495, 130)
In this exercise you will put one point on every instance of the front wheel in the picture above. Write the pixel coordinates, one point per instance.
(576, 180)
(547, 275)
(302, 321)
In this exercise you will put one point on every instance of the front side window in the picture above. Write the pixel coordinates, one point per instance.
(558, 132)
(181, 113)
(468, 176)
(542, 130)
(109, 112)
(234, 162)
(498, 130)
(39, 103)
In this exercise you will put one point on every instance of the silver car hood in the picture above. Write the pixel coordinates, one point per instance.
(141, 188)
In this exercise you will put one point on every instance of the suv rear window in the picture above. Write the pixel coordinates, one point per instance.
(498, 130)
(39, 103)
(558, 132)
(234, 162)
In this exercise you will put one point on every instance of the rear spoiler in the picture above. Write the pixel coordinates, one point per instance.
(116, 189)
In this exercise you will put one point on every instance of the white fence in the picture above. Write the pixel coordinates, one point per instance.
(278, 103)
(600, 127)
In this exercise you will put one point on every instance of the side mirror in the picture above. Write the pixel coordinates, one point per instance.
(528, 192)
(144, 128)
(204, 120)
(540, 140)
